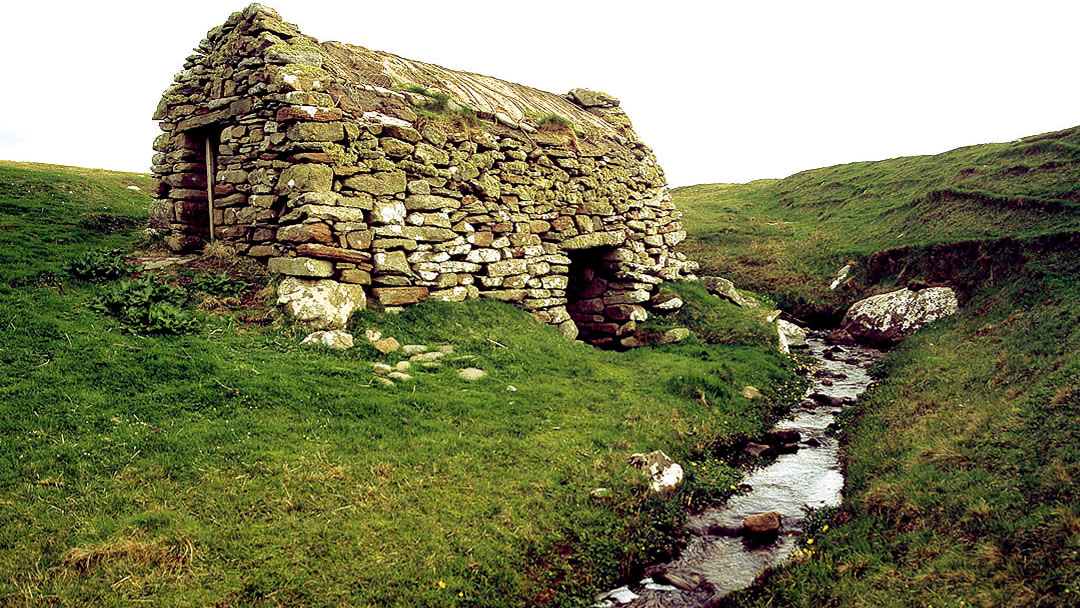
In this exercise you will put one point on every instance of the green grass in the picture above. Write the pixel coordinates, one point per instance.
(230, 466)
(788, 237)
(963, 463)
(442, 109)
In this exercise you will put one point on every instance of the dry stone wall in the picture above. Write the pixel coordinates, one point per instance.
(326, 173)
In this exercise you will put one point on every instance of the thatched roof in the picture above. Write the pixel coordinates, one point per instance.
(485, 94)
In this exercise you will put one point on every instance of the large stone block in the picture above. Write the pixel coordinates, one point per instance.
(504, 268)
(388, 212)
(430, 155)
(384, 183)
(400, 296)
(309, 177)
(315, 232)
(301, 267)
(392, 263)
(337, 254)
(594, 239)
(320, 304)
(430, 202)
(316, 131)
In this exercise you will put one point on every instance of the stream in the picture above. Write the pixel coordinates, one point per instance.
(718, 559)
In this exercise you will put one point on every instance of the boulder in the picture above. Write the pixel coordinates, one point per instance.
(763, 523)
(386, 345)
(778, 437)
(790, 336)
(335, 339)
(887, 318)
(759, 450)
(841, 275)
(726, 289)
(825, 400)
(471, 374)
(321, 303)
(663, 472)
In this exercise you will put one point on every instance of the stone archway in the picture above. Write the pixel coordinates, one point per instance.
(603, 305)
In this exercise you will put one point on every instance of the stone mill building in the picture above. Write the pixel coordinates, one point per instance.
(362, 175)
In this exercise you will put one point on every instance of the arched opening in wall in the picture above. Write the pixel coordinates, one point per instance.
(591, 275)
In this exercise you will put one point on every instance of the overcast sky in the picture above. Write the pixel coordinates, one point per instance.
(722, 91)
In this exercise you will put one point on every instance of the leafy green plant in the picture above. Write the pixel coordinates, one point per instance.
(99, 265)
(218, 284)
(148, 307)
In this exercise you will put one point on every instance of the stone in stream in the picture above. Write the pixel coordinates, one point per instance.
(622, 595)
(790, 336)
(825, 400)
(787, 448)
(762, 523)
(758, 450)
(685, 581)
(722, 530)
(781, 436)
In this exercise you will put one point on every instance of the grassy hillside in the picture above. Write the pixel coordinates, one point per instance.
(227, 465)
(788, 237)
(963, 463)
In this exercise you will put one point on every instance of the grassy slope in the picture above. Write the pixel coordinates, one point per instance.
(963, 464)
(788, 237)
(232, 467)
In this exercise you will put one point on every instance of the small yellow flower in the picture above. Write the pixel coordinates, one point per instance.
(461, 594)
(826, 528)
(809, 541)
(442, 585)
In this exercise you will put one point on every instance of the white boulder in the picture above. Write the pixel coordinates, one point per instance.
(663, 472)
(890, 317)
(320, 303)
(790, 336)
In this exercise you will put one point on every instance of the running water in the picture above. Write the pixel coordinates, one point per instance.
(718, 560)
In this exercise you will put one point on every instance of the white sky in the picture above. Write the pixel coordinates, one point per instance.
(722, 91)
